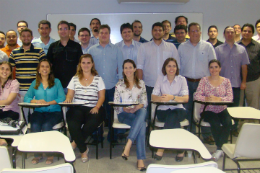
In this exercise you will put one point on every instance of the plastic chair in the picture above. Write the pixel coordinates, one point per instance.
(4, 159)
(247, 147)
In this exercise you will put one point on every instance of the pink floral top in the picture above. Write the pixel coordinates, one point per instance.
(205, 89)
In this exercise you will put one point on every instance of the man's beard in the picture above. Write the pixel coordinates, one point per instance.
(12, 44)
(95, 30)
(136, 35)
(26, 44)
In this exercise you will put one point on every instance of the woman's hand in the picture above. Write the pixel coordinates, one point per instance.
(166, 97)
(67, 100)
(125, 109)
(41, 101)
(213, 98)
(94, 110)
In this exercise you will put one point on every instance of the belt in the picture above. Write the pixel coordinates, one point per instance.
(192, 80)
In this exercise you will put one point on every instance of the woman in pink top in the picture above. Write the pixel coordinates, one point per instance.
(8, 95)
(216, 88)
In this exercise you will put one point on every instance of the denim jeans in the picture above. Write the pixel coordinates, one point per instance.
(138, 129)
(172, 118)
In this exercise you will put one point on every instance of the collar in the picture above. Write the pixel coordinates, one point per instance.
(253, 42)
(7, 47)
(123, 43)
(109, 44)
(192, 44)
(162, 43)
(165, 79)
(31, 47)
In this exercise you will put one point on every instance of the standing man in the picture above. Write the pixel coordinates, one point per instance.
(44, 42)
(72, 33)
(237, 28)
(233, 57)
(20, 26)
(64, 55)
(84, 38)
(128, 46)
(167, 29)
(151, 56)
(11, 40)
(252, 91)
(94, 26)
(108, 60)
(181, 20)
(2, 39)
(195, 55)
(213, 34)
(180, 32)
(257, 27)
(138, 29)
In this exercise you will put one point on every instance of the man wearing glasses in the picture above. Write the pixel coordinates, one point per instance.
(84, 37)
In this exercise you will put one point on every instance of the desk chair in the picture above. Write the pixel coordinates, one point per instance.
(4, 158)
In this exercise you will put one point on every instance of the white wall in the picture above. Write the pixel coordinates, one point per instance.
(218, 12)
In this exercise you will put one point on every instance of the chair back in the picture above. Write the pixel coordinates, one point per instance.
(115, 117)
(4, 158)
(196, 112)
(62, 168)
(248, 141)
(155, 168)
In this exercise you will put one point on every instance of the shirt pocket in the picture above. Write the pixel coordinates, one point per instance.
(203, 57)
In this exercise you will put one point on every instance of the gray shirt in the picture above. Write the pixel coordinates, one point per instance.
(3, 56)
(195, 59)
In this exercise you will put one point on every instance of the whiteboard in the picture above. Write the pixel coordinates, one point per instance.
(115, 20)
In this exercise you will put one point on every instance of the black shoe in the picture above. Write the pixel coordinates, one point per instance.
(141, 168)
(156, 157)
(209, 140)
(125, 157)
(178, 159)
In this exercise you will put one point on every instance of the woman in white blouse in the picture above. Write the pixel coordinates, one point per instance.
(88, 88)
(131, 89)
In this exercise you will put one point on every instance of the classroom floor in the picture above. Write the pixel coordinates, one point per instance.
(117, 165)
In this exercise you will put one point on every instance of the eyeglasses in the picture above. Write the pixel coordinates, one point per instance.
(84, 35)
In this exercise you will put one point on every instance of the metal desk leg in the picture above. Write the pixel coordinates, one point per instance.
(14, 151)
(194, 157)
(23, 161)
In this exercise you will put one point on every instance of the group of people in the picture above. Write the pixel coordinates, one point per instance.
(93, 71)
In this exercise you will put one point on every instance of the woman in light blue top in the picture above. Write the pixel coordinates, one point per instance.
(45, 90)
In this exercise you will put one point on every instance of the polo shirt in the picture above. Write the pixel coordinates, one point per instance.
(38, 43)
(142, 40)
(217, 44)
(177, 44)
(26, 63)
(7, 50)
(171, 39)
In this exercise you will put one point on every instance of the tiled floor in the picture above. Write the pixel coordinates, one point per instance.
(118, 165)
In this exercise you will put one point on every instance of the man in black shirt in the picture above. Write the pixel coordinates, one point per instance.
(64, 55)
(213, 34)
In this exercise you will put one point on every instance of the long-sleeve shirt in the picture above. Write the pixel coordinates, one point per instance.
(205, 89)
(49, 94)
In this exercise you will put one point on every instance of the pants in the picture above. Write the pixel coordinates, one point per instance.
(9, 114)
(138, 129)
(172, 118)
(220, 134)
(236, 100)
(82, 124)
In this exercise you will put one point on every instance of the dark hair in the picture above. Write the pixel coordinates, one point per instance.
(11, 30)
(9, 77)
(258, 21)
(72, 24)
(227, 28)
(126, 25)
(63, 22)
(212, 26)
(22, 21)
(177, 18)
(44, 22)
(137, 21)
(167, 21)
(248, 25)
(216, 61)
(136, 80)
(178, 27)
(26, 30)
(79, 69)
(84, 29)
(193, 24)
(166, 62)
(1, 32)
(158, 24)
(104, 26)
(95, 19)
(39, 77)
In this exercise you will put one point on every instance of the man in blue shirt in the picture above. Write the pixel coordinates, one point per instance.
(108, 60)
(84, 38)
(138, 29)
(44, 42)
(94, 26)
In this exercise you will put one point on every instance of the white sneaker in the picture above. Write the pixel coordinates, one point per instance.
(217, 155)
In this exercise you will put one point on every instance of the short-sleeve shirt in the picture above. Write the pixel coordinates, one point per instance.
(38, 43)
(178, 87)
(87, 94)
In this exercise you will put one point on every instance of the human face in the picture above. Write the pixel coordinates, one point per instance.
(229, 34)
(171, 68)
(45, 68)
(194, 34)
(157, 33)
(247, 33)
(44, 30)
(258, 28)
(86, 64)
(137, 28)
(213, 33)
(214, 69)
(104, 36)
(21, 26)
(167, 27)
(181, 21)
(180, 35)
(11, 38)
(2, 40)
(72, 31)
(237, 29)
(94, 26)
(127, 34)
(26, 38)
(129, 70)
(5, 71)
(63, 31)
(84, 37)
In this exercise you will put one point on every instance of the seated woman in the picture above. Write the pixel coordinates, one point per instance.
(216, 88)
(88, 88)
(45, 89)
(8, 95)
(131, 89)
(171, 86)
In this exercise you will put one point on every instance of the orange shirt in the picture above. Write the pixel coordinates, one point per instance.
(7, 50)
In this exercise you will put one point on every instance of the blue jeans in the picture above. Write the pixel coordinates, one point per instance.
(138, 128)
